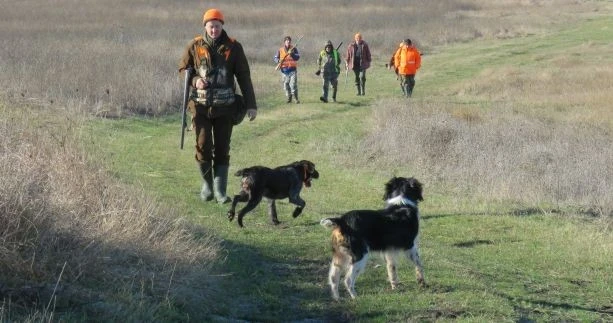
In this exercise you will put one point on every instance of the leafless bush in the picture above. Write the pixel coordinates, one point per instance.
(62, 217)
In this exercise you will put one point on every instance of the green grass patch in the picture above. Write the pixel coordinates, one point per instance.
(498, 265)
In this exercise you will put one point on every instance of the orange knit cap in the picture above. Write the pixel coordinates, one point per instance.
(212, 14)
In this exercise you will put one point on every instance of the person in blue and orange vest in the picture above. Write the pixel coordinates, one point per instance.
(407, 61)
(287, 59)
(217, 60)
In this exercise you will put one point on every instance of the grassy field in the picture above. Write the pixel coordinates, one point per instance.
(510, 134)
(498, 259)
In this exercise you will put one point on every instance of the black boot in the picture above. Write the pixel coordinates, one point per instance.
(206, 171)
(296, 97)
(364, 88)
(334, 95)
(359, 89)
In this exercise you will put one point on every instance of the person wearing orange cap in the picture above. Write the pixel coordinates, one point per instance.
(287, 57)
(217, 61)
(407, 61)
(358, 60)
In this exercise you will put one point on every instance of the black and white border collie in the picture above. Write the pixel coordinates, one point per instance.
(391, 231)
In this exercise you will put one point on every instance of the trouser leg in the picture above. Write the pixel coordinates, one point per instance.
(222, 132)
(334, 83)
(286, 87)
(204, 153)
(363, 81)
(325, 88)
(411, 84)
(293, 83)
(356, 73)
(206, 171)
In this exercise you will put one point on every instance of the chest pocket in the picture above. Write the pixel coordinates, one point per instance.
(212, 69)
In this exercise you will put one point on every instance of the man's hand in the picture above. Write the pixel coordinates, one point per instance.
(252, 113)
(201, 84)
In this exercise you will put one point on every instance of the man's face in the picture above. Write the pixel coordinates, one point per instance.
(328, 48)
(288, 42)
(213, 28)
(358, 38)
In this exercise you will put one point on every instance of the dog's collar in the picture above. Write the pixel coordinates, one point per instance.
(401, 200)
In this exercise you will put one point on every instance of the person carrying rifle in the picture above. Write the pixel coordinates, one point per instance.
(328, 64)
(358, 60)
(407, 61)
(217, 61)
(287, 62)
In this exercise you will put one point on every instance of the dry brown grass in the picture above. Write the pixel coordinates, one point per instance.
(575, 92)
(63, 219)
(114, 57)
(512, 147)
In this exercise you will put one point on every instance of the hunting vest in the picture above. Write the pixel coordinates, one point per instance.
(286, 59)
(212, 69)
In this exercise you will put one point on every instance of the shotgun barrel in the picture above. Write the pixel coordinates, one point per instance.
(186, 88)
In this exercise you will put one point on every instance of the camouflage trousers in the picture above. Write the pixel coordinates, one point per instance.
(290, 83)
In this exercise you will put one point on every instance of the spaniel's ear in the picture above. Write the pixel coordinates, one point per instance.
(390, 187)
(416, 188)
(308, 165)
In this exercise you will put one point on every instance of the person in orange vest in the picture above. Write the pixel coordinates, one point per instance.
(407, 61)
(287, 57)
(217, 61)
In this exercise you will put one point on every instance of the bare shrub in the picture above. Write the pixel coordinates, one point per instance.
(499, 155)
(62, 219)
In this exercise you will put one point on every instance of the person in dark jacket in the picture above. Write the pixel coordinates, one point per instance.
(218, 62)
(358, 60)
(328, 63)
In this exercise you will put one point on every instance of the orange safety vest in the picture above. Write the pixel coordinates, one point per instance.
(286, 58)
(407, 60)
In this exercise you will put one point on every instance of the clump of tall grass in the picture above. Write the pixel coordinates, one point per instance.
(496, 153)
(72, 238)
